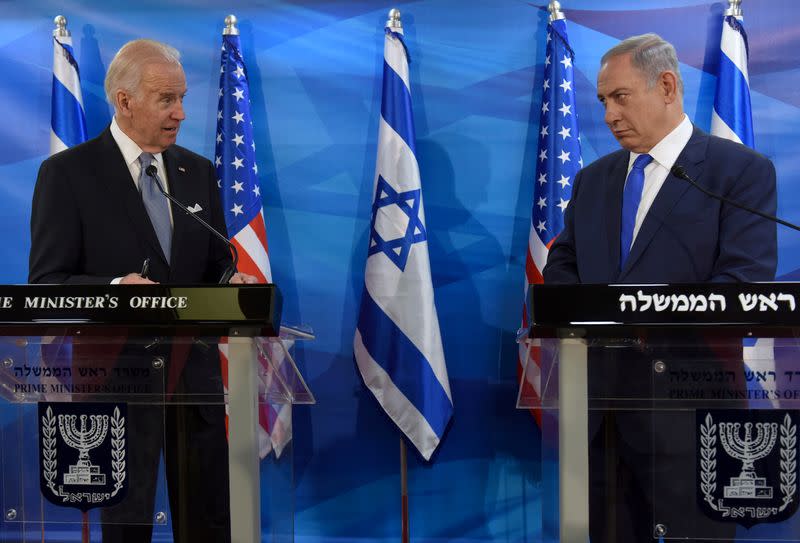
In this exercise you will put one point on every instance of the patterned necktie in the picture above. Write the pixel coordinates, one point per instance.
(631, 197)
(156, 205)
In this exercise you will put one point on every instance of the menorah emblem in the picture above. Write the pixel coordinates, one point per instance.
(83, 439)
(748, 450)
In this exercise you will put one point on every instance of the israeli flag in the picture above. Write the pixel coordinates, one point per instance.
(398, 347)
(68, 121)
(732, 117)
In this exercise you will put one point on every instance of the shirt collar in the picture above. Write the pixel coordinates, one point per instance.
(130, 150)
(667, 151)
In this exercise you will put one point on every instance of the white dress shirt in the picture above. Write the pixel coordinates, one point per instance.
(664, 154)
(130, 152)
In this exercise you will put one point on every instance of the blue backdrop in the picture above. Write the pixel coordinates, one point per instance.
(314, 68)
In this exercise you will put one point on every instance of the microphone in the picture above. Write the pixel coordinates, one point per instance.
(230, 270)
(679, 172)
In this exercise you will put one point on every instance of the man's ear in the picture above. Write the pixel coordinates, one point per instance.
(122, 102)
(668, 85)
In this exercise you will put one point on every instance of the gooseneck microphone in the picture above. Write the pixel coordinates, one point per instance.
(230, 270)
(679, 172)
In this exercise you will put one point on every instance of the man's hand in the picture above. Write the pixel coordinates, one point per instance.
(135, 279)
(239, 278)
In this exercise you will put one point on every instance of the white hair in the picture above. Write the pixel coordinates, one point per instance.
(650, 54)
(126, 69)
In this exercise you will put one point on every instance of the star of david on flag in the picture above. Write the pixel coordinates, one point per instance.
(409, 203)
(397, 344)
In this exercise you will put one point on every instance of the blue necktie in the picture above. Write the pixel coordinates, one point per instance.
(156, 205)
(631, 197)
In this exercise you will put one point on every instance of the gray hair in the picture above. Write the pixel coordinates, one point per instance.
(650, 54)
(126, 69)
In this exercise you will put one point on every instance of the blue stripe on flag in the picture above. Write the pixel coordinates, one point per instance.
(732, 102)
(405, 364)
(396, 106)
(67, 117)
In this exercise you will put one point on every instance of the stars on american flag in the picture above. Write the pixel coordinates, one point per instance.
(235, 158)
(559, 146)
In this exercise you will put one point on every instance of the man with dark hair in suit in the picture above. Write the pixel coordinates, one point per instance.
(631, 221)
(97, 216)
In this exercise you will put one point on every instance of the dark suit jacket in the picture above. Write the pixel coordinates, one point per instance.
(89, 225)
(686, 236)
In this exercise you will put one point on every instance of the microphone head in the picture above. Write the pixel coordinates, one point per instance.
(678, 171)
(151, 170)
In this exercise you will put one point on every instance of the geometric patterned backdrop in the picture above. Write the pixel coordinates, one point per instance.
(315, 68)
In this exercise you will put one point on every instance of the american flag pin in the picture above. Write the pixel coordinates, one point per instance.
(181, 169)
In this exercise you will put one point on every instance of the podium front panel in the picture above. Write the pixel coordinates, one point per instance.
(667, 412)
(80, 423)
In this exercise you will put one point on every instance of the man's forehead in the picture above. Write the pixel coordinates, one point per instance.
(164, 73)
(618, 71)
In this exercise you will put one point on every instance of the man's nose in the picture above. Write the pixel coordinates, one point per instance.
(178, 113)
(612, 114)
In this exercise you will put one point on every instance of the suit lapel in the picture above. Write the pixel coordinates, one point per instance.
(117, 179)
(181, 188)
(614, 216)
(691, 158)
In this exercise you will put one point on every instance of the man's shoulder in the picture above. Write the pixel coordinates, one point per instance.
(81, 154)
(185, 155)
(605, 163)
(727, 150)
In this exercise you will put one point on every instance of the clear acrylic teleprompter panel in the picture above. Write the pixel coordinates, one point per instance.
(631, 374)
(725, 448)
(670, 402)
(78, 423)
(281, 385)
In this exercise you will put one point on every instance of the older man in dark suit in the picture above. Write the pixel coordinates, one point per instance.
(632, 221)
(97, 216)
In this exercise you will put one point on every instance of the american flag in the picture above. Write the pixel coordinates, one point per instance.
(237, 178)
(558, 160)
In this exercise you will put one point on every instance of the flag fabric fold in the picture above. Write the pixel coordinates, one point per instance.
(557, 162)
(732, 117)
(397, 345)
(240, 193)
(68, 120)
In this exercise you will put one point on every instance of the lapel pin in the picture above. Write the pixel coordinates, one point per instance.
(181, 169)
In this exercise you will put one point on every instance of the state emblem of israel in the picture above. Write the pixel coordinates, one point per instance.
(82, 453)
(747, 465)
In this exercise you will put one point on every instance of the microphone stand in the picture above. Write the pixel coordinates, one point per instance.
(230, 270)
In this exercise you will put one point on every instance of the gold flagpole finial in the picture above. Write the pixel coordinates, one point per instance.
(734, 8)
(60, 31)
(555, 11)
(230, 26)
(394, 20)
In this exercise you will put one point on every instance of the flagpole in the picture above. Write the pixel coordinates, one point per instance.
(404, 492)
(394, 23)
